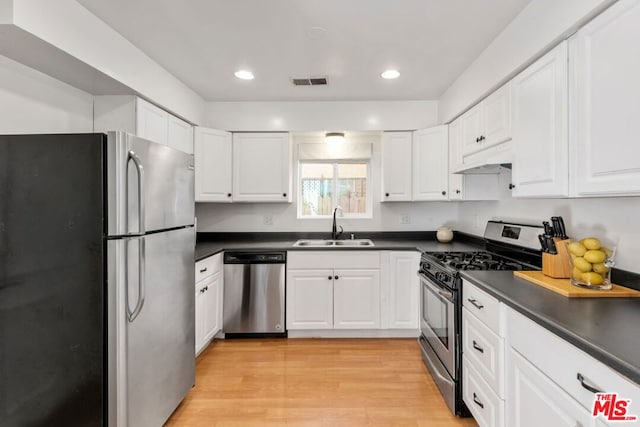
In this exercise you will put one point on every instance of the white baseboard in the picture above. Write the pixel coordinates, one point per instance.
(354, 333)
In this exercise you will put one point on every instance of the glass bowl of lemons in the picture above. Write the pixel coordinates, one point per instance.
(591, 263)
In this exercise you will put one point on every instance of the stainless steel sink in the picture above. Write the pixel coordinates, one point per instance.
(318, 243)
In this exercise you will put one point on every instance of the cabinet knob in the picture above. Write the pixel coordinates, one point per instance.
(478, 139)
(444, 193)
(284, 194)
(482, 138)
(386, 194)
(228, 194)
(336, 277)
(512, 186)
(330, 277)
(458, 191)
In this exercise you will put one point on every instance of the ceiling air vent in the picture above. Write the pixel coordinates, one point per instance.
(309, 81)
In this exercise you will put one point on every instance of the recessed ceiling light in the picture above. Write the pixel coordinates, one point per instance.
(390, 74)
(244, 75)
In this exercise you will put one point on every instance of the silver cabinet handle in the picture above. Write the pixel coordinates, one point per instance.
(141, 280)
(584, 384)
(140, 170)
(477, 347)
(475, 303)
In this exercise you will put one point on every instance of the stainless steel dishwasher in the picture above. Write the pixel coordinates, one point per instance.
(254, 286)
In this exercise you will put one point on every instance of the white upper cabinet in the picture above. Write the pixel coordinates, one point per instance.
(496, 117)
(456, 181)
(605, 112)
(180, 134)
(488, 123)
(396, 166)
(540, 127)
(431, 163)
(213, 160)
(261, 167)
(136, 116)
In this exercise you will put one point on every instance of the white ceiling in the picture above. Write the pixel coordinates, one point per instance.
(203, 42)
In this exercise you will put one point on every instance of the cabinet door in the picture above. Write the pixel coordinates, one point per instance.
(456, 181)
(604, 99)
(199, 312)
(540, 136)
(404, 290)
(261, 167)
(534, 400)
(310, 299)
(396, 167)
(431, 163)
(151, 122)
(211, 306)
(356, 303)
(496, 117)
(180, 135)
(213, 154)
(471, 130)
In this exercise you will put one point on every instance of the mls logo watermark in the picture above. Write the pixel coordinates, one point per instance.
(612, 408)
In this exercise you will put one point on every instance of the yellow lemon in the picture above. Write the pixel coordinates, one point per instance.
(576, 274)
(600, 268)
(608, 252)
(595, 256)
(591, 243)
(592, 278)
(576, 248)
(582, 264)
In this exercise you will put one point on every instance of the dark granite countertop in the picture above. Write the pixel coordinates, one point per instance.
(605, 328)
(206, 248)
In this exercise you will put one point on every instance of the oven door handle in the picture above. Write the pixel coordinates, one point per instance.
(448, 295)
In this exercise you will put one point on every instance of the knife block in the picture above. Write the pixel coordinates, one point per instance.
(557, 266)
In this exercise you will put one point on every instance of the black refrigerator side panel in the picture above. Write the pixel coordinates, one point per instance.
(52, 280)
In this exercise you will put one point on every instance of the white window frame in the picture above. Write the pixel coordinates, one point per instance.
(369, 204)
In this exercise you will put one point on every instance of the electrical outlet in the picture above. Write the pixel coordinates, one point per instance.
(268, 220)
(405, 219)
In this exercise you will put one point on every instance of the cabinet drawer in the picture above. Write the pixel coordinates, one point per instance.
(562, 362)
(333, 259)
(208, 266)
(485, 350)
(485, 405)
(482, 305)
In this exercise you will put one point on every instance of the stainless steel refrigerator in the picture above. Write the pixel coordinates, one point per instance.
(96, 280)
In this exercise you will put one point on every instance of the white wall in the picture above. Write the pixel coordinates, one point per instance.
(540, 25)
(321, 115)
(386, 216)
(33, 102)
(611, 218)
(71, 30)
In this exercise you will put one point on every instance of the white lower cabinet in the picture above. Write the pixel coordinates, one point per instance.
(309, 299)
(535, 400)
(485, 405)
(400, 300)
(333, 299)
(208, 300)
(356, 299)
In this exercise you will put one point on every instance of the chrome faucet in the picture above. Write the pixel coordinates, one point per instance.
(334, 230)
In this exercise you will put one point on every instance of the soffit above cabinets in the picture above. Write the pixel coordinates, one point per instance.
(203, 42)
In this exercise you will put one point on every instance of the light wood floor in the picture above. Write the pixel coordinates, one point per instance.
(313, 382)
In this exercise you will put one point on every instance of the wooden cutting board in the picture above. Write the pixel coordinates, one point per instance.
(564, 287)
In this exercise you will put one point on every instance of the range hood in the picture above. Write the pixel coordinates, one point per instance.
(487, 164)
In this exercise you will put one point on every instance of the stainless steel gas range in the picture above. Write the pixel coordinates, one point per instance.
(508, 247)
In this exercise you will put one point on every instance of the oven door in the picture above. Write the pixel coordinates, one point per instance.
(437, 321)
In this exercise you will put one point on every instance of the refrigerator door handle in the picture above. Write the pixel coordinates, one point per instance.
(141, 280)
(131, 155)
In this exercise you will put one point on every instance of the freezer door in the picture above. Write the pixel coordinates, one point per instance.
(150, 186)
(151, 326)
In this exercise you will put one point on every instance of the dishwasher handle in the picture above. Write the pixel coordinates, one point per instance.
(255, 257)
